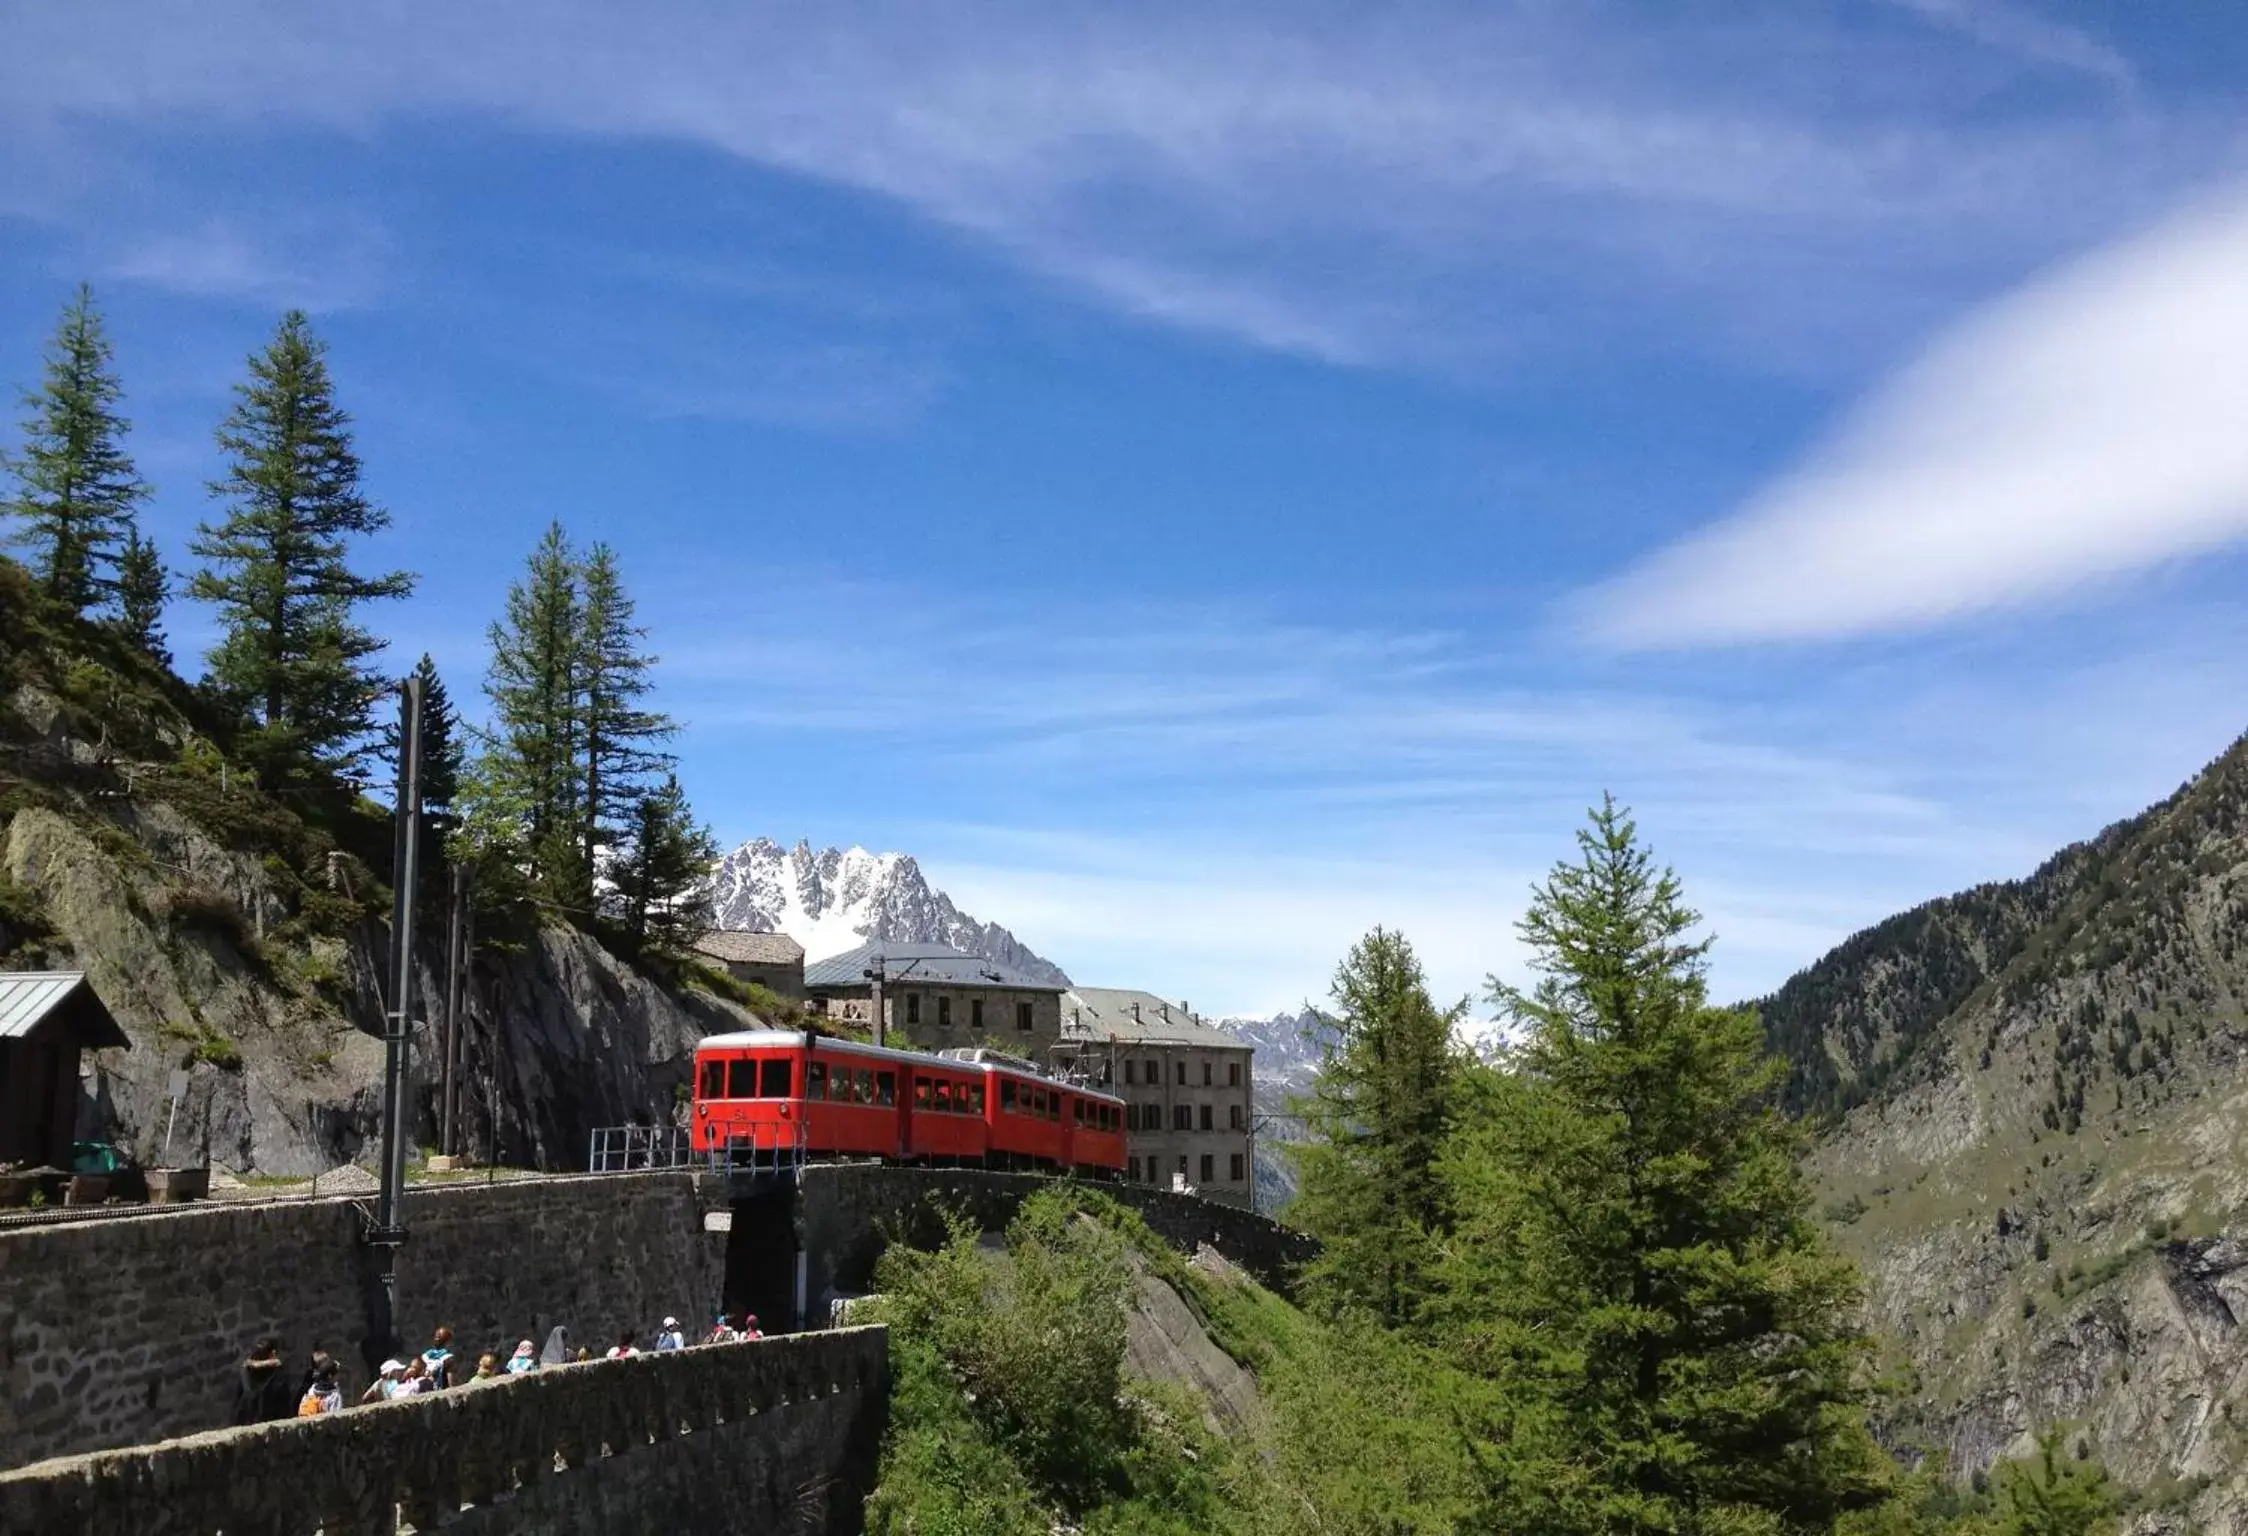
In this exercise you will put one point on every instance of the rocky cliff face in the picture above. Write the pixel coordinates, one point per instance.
(2035, 1142)
(281, 1038)
(833, 899)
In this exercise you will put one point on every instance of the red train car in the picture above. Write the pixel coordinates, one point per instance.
(773, 1090)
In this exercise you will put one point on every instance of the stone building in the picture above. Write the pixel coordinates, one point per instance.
(1189, 1116)
(771, 960)
(46, 1019)
(935, 996)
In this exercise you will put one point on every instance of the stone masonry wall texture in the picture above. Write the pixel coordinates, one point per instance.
(121, 1332)
(847, 1213)
(777, 1435)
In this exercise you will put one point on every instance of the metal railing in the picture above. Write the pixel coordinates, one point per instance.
(630, 1148)
(635, 1148)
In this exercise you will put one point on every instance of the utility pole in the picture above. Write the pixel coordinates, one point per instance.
(448, 1100)
(389, 1229)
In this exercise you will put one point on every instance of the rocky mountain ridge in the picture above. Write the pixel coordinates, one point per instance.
(834, 899)
(2032, 1101)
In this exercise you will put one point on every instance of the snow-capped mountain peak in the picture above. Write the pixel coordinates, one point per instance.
(833, 899)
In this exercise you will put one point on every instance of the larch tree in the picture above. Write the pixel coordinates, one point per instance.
(618, 735)
(1633, 1257)
(294, 656)
(1378, 1113)
(143, 587)
(662, 878)
(75, 486)
(524, 798)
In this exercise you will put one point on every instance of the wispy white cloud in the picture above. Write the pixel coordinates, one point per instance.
(1350, 186)
(2025, 33)
(333, 267)
(2088, 425)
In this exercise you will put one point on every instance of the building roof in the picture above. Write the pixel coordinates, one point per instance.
(1119, 1013)
(935, 964)
(34, 1000)
(739, 946)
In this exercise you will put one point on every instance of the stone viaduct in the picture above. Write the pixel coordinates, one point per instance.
(128, 1331)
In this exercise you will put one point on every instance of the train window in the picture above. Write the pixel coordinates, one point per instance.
(976, 1100)
(714, 1079)
(1077, 1110)
(975, 1013)
(1054, 1107)
(944, 1013)
(1233, 1074)
(741, 1078)
(920, 1093)
(815, 1080)
(773, 1083)
(1007, 1095)
(1022, 1017)
(885, 1088)
(862, 1087)
(941, 1101)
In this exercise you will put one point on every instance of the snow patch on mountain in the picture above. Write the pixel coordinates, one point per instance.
(833, 899)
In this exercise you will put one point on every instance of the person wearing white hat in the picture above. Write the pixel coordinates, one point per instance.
(385, 1386)
(671, 1338)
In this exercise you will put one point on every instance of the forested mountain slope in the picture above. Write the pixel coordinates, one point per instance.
(245, 942)
(2034, 1110)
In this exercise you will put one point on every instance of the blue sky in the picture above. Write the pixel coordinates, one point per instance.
(1210, 479)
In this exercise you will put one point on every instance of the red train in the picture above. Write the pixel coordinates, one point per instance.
(777, 1089)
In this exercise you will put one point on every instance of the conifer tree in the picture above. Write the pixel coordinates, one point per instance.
(76, 489)
(525, 799)
(617, 734)
(442, 766)
(294, 655)
(143, 586)
(1634, 1258)
(1368, 1185)
(663, 878)
(2053, 1496)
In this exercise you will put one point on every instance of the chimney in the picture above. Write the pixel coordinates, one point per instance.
(1135, 1013)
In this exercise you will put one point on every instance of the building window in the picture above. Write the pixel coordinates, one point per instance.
(1205, 1074)
(913, 1007)
(1023, 1017)
(1209, 1168)
(944, 1013)
(1182, 1074)
(1134, 1175)
(1233, 1117)
(1205, 1117)
(975, 1014)
(1233, 1074)
(1236, 1166)
(1182, 1167)
(1182, 1117)
(1127, 1072)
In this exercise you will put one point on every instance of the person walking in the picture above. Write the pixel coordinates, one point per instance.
(525, 1358)
(557, 1351)
(671, 1338)
(627, 1347)
(323, 1393)
(722, 1332)
(263, 1394)
(386, 1383)
(487, 1368)
(437, 1360)
(749, 1326)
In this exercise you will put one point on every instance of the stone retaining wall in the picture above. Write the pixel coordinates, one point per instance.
(129, 1331)
(845, 1214)
(774, 1435)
